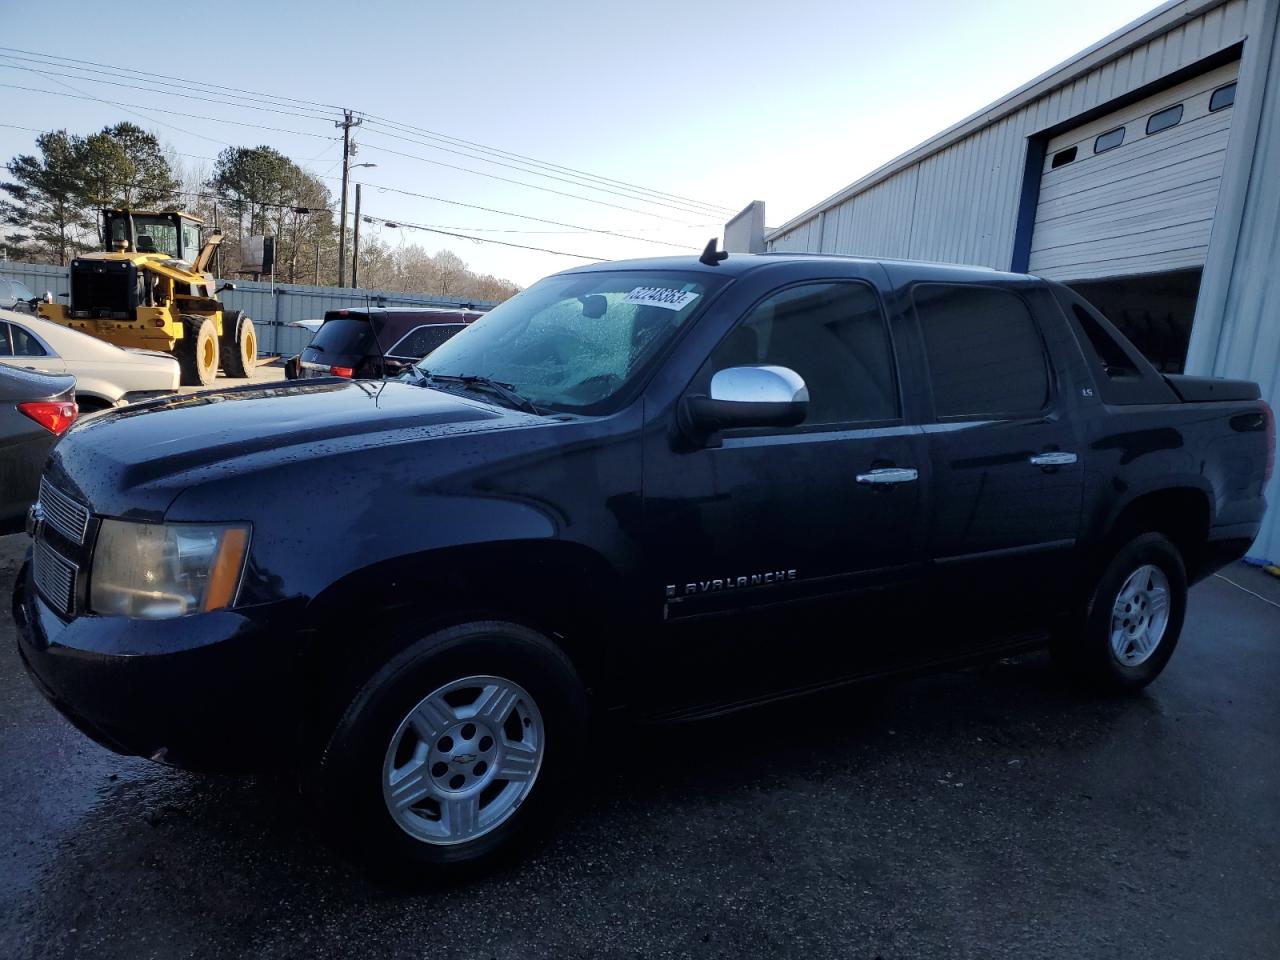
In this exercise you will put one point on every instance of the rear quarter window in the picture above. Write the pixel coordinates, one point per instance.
(1121, 374)
(419, 342)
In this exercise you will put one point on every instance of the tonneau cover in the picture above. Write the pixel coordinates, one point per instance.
(1205, 389)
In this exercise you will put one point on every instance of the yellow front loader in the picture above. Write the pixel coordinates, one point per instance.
(150, 288)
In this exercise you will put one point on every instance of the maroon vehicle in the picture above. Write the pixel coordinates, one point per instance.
(378, 342)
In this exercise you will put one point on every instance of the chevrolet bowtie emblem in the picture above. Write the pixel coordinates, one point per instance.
(35, 519)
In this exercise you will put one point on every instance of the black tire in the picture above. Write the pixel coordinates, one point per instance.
(347, 781)
(89, 405)
(1084, 647)
(239, 345)
(197, 351)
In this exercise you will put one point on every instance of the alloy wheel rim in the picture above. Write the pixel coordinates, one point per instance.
(1140, 615)
(463, 760)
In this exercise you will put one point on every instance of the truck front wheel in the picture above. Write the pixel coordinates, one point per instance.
(239, 344)
(1131, 619)
(454, 751)
(197, 351)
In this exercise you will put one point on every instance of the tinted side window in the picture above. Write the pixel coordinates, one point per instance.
(833, 335)
(24, 344)
(6, 348)
(419, 342)
(985, 354)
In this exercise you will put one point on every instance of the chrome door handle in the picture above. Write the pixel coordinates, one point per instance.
(889, 475)
(1054, 459)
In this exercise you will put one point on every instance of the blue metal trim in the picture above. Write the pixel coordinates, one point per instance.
(1037, 147)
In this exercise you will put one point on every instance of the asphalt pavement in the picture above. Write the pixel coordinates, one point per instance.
(989, 812)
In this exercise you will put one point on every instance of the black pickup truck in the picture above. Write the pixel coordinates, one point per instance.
(672, 487)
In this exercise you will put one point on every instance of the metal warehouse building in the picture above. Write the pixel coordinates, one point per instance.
(1145, 172)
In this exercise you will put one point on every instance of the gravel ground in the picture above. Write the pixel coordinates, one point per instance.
(979, 813)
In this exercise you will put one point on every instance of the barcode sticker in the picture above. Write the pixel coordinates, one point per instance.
(661, 297)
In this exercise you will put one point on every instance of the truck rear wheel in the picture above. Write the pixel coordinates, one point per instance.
(239, 345)
(197, 351)
(454, 751)
(1127, 631)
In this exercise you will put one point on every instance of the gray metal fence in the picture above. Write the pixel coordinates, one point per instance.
(272, 306)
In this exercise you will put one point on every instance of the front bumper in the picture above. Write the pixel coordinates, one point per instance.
(209, 691)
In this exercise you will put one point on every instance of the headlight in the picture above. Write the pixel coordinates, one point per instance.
(156, 571)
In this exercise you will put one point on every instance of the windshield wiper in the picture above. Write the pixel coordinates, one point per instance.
(503, 391)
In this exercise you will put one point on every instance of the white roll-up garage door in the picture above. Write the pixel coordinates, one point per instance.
(1134, 192)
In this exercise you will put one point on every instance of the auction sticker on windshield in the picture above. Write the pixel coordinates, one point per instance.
(661, 297)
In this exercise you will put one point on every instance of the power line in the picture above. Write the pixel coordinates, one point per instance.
(630, 194)
(509, 213)
(178, 113)
(521, 183)
(186, 95)
(423, 132)
(137, 113)
(244, 123)
(502, 243)
(258, 98)
(147, 74)
(643, 194)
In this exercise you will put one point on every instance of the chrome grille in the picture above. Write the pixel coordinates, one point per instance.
(55, 577)
(62, 513)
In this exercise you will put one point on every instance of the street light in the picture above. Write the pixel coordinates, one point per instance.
(355, 241)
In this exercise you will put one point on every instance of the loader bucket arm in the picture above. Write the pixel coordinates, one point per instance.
(205, 256)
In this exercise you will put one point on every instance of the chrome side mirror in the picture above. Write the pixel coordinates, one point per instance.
(747, 397)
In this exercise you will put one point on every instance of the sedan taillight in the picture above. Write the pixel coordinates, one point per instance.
(54, 415)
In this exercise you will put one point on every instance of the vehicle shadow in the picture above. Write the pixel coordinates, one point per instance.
(230, 864)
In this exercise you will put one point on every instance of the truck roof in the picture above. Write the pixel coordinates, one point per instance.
(738, 264)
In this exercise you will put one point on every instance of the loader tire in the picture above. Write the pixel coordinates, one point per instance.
(197, 351)
(239, 345)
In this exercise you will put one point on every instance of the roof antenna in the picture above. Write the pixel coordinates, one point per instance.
(711, 256)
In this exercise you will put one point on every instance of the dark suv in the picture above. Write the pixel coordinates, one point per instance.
(378, 342)
(674, 487)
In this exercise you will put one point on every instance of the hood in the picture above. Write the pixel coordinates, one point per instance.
(134, 460)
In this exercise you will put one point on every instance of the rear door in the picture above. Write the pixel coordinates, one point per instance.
(19, 347)
(1007, 477)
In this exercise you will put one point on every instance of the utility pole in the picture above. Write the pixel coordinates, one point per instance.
(346, 123)
(355, 245)
(217, 251)
(317, 261)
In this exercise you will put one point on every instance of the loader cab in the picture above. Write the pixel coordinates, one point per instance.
(173, 234)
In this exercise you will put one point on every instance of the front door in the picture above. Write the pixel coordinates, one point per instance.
(773, 549)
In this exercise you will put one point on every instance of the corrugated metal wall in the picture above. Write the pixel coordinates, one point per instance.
(961, 204)
(270, 307)
(1237, 327)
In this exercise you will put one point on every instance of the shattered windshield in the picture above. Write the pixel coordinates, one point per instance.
(572, 342)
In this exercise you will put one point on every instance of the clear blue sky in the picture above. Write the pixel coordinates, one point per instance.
(725, 102)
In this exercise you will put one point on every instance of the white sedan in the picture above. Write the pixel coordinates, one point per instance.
(106, 376)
